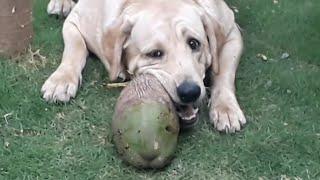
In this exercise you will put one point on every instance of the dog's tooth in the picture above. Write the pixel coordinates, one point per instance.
(189, 118)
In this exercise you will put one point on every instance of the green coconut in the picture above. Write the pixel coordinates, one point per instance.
(145, 125)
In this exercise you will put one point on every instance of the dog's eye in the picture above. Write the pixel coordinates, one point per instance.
(156, 54)
(194, 44)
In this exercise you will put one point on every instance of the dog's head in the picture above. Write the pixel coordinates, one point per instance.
(172, 40)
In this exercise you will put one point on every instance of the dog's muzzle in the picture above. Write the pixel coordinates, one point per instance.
(188, 115)
(188, 92)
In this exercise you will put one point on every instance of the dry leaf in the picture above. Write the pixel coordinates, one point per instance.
(262, 56)
(235, 9)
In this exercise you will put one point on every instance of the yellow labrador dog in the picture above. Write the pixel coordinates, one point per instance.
(177, 41)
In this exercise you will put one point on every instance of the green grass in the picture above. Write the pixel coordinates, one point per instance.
(73, 141)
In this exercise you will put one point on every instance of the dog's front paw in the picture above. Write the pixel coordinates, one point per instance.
(60, 7)
(225, 112)
(60, 86)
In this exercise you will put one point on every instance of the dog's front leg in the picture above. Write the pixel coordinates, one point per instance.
(64, 82)
(225, 112)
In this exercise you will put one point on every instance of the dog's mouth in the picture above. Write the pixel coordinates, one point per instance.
(188, 115)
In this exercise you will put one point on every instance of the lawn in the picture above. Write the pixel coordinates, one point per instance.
(280, 98)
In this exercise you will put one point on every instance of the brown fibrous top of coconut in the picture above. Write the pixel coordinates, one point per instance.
(142, 89)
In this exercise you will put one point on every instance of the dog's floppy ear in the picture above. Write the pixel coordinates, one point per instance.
(114, 39)
(215, 30)
(214, 36)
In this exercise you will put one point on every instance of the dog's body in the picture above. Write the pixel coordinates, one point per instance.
(176, 41)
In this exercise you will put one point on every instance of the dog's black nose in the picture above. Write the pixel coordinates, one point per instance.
(188, 92)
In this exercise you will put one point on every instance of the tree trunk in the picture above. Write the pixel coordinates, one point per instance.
(16, 29)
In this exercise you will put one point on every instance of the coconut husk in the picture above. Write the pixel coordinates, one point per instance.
(16, 29)
(145, 125)
(143, 88)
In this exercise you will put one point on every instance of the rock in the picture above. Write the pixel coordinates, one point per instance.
(285, 55)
